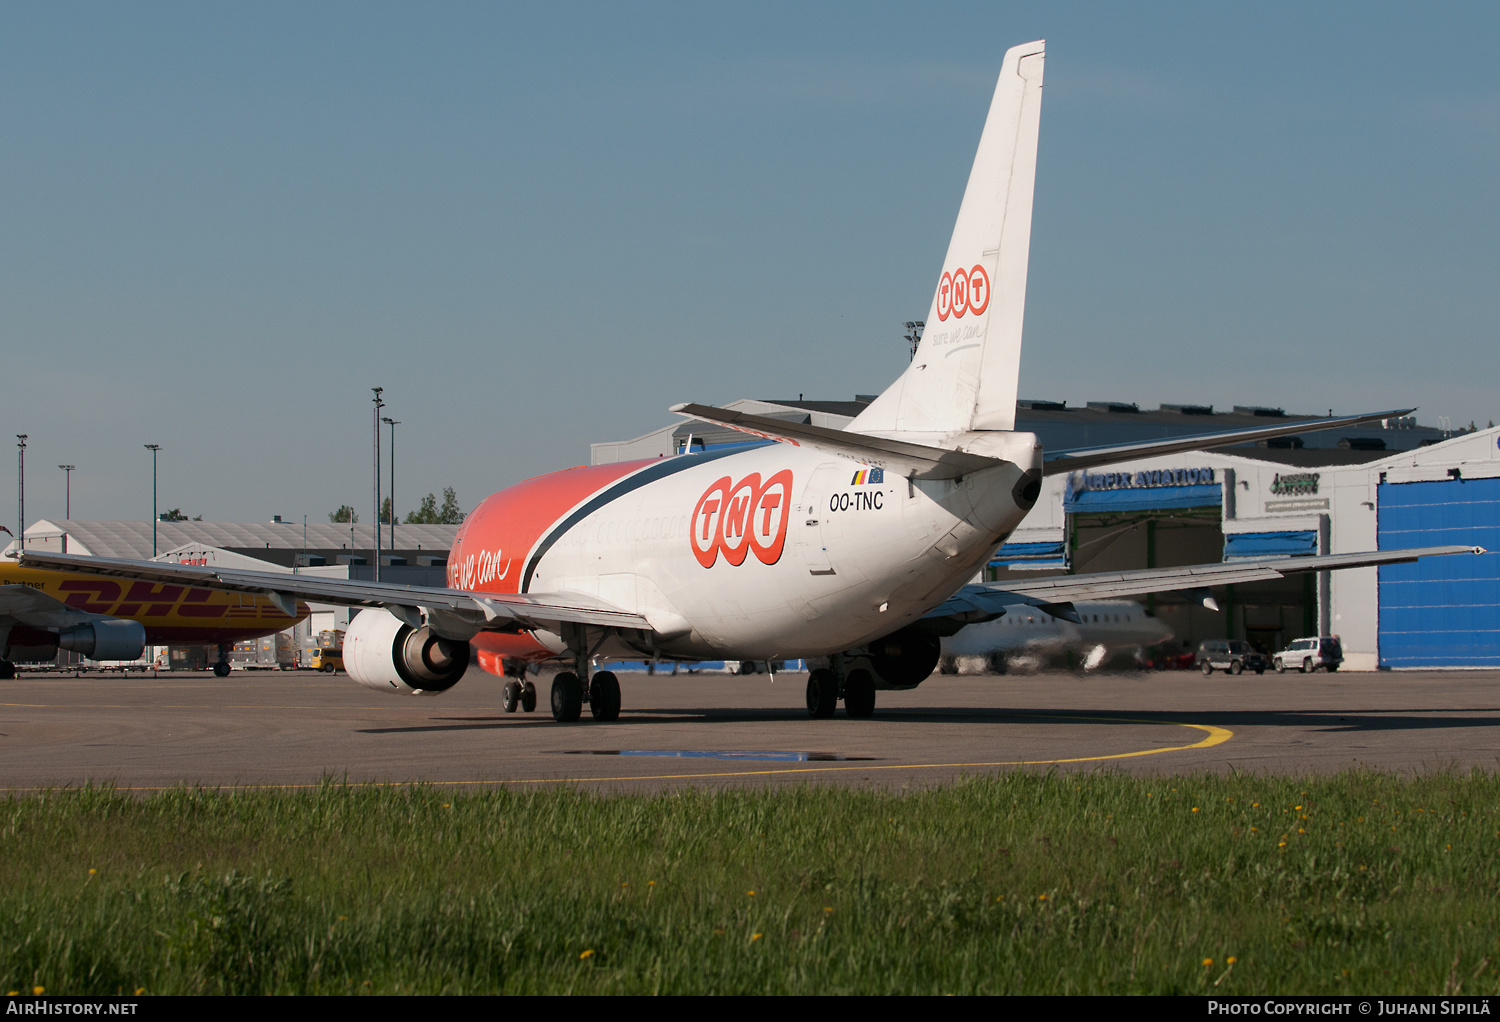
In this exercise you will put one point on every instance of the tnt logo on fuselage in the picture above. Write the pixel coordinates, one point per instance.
(736, 519)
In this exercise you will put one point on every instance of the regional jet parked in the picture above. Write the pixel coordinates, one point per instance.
(1095, 631)
(854, 545)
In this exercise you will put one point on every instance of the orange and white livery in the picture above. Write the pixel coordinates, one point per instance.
(851, 547)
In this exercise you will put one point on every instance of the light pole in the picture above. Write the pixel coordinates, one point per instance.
(67, 500)
(379, 404)
(393, 423)
(153, 448)
(21, 489)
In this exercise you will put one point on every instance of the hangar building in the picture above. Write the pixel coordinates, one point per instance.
(1390, 484)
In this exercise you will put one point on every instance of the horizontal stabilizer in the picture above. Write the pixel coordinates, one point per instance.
(1057, 462)
(897, 456)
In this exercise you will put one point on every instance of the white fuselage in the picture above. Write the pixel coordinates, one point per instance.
(778, 552)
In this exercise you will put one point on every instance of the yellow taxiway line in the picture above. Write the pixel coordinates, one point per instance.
(1213, 736)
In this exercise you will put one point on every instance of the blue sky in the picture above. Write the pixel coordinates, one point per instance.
(539, 226)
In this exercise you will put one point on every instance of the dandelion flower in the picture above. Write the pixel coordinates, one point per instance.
(650, 883)
(749, 894)
(1231, 960)
(828, 908)
(587, 954)
(1041, 897)
(1195, 809)
(754, 937)
(38, 991)
(92, 872)
(139, 991)
(1297, 807)
(1207, 962)
(1281, 845)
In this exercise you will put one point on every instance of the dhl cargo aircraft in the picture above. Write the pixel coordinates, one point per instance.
(851, 545)
(43, 610)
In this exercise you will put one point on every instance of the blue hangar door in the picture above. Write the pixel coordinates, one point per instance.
(1440, 611)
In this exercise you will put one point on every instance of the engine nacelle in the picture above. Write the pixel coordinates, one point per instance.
(904, 659)
(107, 638)
(388, 655)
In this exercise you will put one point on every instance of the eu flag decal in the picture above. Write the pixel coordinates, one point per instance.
(868, 475)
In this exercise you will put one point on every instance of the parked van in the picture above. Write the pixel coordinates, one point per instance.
(327, 660)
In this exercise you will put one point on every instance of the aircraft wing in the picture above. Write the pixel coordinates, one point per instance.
(975, 603)
(23, 605)
(900, 456)
(456, 609)
(1056, 462)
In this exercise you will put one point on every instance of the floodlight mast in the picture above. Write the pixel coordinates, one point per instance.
(67, 500)
(21, 489)
(155, 517)
(393, 423)
(379, 404)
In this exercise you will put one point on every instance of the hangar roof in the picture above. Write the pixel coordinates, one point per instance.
(133, 539)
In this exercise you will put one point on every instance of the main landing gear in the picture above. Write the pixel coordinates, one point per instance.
(221, 666)
(567, 697)
(823, 691)
(7, 670)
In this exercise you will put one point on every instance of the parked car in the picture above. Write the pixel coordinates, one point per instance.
(1307, 655)
(1230, 655)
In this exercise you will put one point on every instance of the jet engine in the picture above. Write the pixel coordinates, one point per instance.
(904, 659)
(105, 638)
(388, 655)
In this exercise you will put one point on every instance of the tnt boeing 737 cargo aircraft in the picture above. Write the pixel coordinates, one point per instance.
(851, 545)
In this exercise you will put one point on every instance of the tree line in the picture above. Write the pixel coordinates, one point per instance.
(429, 513)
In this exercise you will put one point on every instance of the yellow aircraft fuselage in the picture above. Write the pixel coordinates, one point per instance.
(171, 614)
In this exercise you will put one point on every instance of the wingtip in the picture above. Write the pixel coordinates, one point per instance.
(679, 407)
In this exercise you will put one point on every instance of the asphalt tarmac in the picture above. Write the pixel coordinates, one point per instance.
(292, 729)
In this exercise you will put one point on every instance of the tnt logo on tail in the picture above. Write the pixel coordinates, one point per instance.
(736, 519)
(963, 291)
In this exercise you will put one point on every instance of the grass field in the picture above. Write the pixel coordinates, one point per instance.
(1359, 883)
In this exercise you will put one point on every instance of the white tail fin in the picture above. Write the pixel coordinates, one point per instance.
(966, 369)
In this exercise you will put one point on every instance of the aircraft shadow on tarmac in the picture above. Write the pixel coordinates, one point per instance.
(1305, 720)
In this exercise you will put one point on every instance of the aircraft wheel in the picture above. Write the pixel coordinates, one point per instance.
(567, 698)
(1236, 667)
(7, 670)
(859, 693)
(1307, 667)
(822, 694)
(221, 669)
(996, 663)
(1208, 668)
(528, 697)
(604, 696)
(510, 696)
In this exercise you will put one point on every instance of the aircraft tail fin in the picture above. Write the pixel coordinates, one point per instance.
(965, 371)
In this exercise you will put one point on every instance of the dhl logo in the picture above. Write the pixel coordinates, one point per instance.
(736, 519)
(104, 596)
